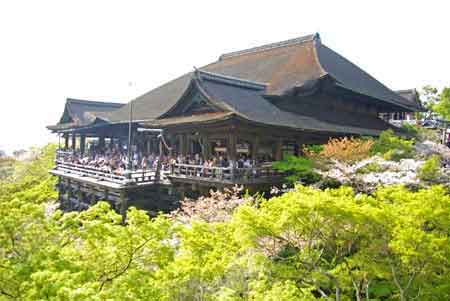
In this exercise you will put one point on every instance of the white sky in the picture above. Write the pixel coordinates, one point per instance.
(50, 50)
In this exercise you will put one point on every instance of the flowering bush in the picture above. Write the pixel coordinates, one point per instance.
(217, 207)
(347, 149)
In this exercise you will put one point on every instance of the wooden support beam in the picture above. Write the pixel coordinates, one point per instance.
(66, 141)
(255, 147)
(82, 144)
(123, 206)
(101, 142)
(182, 142)
(148, 144)
(206, 147)
(231, 147)
(74, 142)
(279, 150)
(69, 195)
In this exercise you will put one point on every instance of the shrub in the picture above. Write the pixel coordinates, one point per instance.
(370, 167)
(410, 129)
(312, 150)
(347, 149)
(430, 170)
(392, 147)
(298, 169)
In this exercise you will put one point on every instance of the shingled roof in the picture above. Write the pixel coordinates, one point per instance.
(79, 113)
(411, 95)
(281, 66)
(246, 99)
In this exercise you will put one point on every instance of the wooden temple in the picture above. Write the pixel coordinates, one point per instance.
(258, 103)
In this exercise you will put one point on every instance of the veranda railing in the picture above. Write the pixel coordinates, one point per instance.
(123, 177)
(224, 173)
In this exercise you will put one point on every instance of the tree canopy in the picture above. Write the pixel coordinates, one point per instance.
(306, 244)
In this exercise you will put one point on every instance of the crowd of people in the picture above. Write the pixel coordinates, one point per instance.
(116, 160)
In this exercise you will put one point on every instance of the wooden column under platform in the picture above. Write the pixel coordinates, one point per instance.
(123, 205)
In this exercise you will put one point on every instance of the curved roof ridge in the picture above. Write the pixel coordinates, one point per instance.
(240, 82)
(93, 102)
(270, 46)
(412, 90)
(351, 77)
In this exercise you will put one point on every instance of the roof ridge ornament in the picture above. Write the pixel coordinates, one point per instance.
(197, 74)
(271, 46)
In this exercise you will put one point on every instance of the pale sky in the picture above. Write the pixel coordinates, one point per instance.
(51, 50)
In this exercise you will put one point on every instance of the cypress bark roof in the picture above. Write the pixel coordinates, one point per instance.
(411, 96)
(247, 100)
(242, 83)
(78, 112)
(281, 66)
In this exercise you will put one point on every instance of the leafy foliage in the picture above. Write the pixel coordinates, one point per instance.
(412, 130)
(370, 167)
(442, 107)
(347, 149)
(312, 150)
(298, 169)
(430, 171)
(6, 167)
(306, 244)
(31, 181)
(392, 147)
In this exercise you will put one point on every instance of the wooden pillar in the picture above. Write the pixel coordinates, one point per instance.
(60, 192)
(279, 150)
(82, 144)
(106, 194)
(101, 142)
(188, 145)
(231, 147)
(182, 142)
(206, 147)
(69, 195)
(148, 144)
(255, 147)
(66, 141)
(74, 142)
(182, 191)
(80, 197)
(159, 164)
(123, 205)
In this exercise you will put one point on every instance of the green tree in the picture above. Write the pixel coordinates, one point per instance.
(442, 107)
(297, 169)
(430, 96)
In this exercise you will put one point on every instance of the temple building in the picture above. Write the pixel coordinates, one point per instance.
(250, 106)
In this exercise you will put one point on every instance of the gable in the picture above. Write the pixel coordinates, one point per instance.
(193, 102)
(66, 118)
(197, 104)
